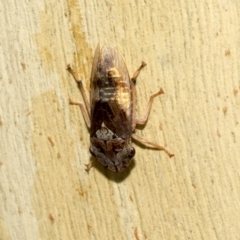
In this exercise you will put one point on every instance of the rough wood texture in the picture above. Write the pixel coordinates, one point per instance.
(192, 50)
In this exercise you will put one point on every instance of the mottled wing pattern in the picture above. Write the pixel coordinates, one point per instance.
(112, 58)
(115, 110)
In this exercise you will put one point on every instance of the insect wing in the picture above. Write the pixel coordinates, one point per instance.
(110, 58)
(111, 105)
(94, 93)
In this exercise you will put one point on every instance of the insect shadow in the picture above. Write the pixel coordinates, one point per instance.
(112, 176)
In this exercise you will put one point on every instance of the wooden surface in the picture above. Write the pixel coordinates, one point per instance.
(193, 52)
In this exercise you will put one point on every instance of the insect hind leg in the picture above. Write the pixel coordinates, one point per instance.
(147, 143)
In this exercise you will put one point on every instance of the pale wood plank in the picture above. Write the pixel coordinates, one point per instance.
(192, 52)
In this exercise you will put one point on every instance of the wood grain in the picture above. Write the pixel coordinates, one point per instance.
(192, 51)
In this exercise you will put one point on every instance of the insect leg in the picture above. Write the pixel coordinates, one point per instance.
(83, 110)
(80, 87)
(143, 120)
(133, 88)
(135, 75)
(89, 166)
(147, 143)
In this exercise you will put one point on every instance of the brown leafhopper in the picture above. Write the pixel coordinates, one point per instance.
(111, 114)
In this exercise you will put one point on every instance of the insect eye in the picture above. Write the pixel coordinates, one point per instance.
(131, 153)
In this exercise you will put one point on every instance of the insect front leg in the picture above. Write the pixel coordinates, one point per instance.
(89, 166)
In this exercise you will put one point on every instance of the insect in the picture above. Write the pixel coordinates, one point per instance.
(111, 114)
